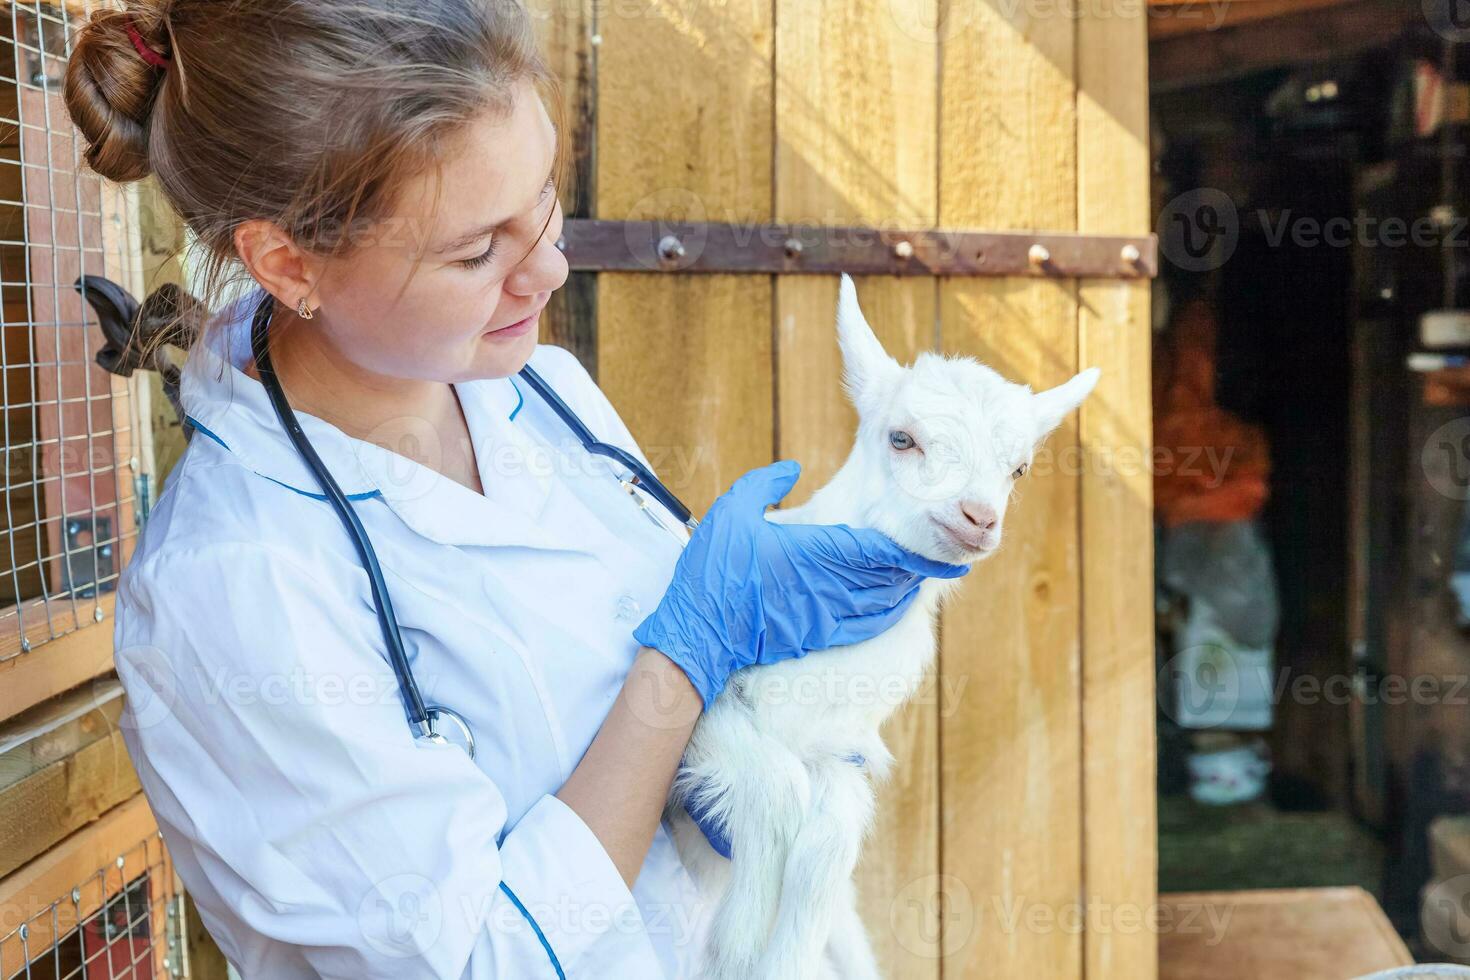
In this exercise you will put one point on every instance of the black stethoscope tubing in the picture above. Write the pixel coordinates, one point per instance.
(641, 474)
(421, 716)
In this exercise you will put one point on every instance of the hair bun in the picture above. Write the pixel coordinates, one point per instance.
(110, 91)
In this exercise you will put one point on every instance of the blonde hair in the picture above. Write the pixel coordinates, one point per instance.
(310, 114)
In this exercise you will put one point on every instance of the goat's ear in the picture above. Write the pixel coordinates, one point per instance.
(864, 360)
(1055, 404)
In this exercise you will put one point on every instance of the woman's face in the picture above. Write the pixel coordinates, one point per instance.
(485, 263)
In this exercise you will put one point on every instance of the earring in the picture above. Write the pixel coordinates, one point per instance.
(304, 311)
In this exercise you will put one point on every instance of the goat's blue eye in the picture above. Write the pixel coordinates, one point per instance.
(901, 440)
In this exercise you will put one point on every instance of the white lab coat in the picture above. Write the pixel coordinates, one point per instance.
(316, 835)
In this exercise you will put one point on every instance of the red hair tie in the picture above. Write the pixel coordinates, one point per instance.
(147, 53)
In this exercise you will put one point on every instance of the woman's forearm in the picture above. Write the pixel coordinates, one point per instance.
(620, 786)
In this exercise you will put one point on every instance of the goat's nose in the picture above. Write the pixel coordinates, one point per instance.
(978, 514)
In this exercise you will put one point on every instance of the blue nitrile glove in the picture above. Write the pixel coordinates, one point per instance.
(748, 591)
(714, 829)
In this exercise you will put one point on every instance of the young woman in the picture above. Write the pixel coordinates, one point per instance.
(384, 173)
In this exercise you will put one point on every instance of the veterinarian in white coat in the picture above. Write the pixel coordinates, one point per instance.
(317, 836)
(578, 640)
(268, 722)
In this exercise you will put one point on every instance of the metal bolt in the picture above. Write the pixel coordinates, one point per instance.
(1039, 255)
(23, 932)
(25, 644)
(1131, 254)
(133, 463)
(904, 249)
(98, 616)
(669, 247)
(76, 895)
(119, 861)
(793, 247)
(596, 39)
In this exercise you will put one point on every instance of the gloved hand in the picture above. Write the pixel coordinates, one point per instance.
(713, 828)
(746, 591)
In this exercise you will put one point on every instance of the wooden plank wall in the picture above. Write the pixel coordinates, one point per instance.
(1011, 752)
(59, 781)
(685, 120)
(1119, 817)
(862, 154)
(1025, 781)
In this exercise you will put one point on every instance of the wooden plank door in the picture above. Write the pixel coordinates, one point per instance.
(1018, 831)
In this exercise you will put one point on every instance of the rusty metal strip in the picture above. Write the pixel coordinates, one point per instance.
(689, 246)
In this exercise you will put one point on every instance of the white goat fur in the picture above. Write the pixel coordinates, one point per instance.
(772, 756)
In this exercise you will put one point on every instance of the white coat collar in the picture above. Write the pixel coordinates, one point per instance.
(226, 405)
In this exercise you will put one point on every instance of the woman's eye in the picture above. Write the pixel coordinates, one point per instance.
(901, 440)
(482, 259)
(485, 257)
(1020, 471)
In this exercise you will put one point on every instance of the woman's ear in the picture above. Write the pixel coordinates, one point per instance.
(276, 262)
(1055, 404)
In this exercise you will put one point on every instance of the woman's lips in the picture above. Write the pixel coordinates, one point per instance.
(519, 327)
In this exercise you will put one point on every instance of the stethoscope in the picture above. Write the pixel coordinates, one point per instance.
(425, 720)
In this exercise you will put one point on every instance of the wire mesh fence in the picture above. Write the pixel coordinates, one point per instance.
(124, 919)
(69, 490)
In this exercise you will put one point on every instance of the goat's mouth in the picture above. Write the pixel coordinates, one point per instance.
(968, 541)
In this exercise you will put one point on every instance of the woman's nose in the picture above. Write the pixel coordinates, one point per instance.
(544, 270)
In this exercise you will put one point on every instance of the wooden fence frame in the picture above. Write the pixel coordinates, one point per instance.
(1039, 793)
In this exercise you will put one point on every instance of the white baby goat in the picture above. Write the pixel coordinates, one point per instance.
(787, 755)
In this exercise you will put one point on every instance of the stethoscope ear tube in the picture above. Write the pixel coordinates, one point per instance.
(418, 714)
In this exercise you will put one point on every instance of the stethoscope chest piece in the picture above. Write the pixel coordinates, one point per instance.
(631, 486)
(434, 715)
(426, 721)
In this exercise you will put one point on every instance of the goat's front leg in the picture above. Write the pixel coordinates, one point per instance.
(819, 865)
(766, 793)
